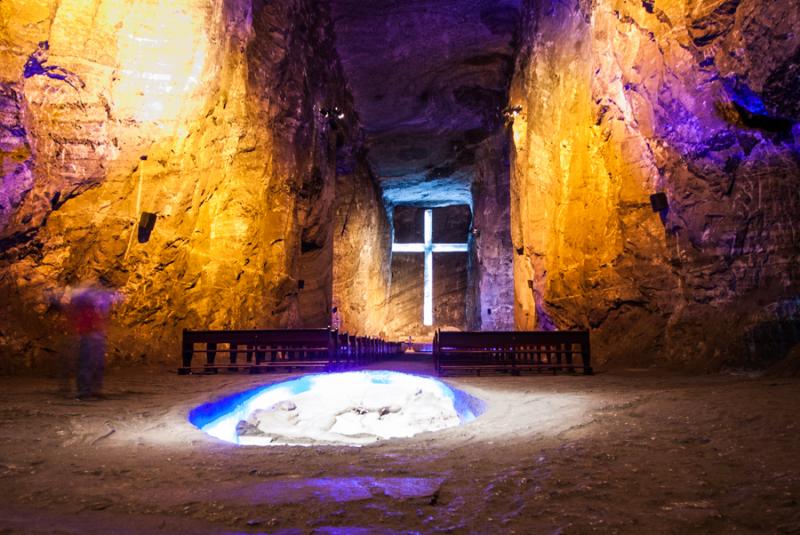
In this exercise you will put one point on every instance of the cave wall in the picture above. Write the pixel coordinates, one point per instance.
(492, 259)
(451, 271)
(622, 99)
(452, 282)
(222, 98)
(406, 290)
(361, 248)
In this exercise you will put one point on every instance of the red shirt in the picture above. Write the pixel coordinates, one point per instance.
(86, 317)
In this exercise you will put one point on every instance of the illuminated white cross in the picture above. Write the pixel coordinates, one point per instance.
(429, 248)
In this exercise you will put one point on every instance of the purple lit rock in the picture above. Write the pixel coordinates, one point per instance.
(698, 102)
(429, 80)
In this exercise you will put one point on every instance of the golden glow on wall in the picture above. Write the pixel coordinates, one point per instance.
(519, 128)
(18, 16)
(161, 53)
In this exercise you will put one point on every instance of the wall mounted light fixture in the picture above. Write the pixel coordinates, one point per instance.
(659, 202)
(510, 112)
(332, 113)
(147, 222)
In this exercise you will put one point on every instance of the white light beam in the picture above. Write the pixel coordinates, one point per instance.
(429, 248)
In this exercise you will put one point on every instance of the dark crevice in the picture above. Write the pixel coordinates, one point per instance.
(765, 123)
(309, 246)
(16, 240)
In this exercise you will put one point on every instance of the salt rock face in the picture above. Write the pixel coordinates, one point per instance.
(624, 99)
(452, 276)
(204, 113)
(361, 238)
(429, 81)
(492, 261)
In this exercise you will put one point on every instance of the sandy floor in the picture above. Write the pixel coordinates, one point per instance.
(634, 452)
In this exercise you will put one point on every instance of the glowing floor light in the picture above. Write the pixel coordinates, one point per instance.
(429, 248)
(352, 408)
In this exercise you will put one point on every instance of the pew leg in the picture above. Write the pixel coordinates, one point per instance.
(259, 360)
(233, 350)
(587, 368)
(187, 353)
(211, 356)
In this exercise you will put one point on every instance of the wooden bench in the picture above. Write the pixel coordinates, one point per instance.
(266, 349)
(512, 351)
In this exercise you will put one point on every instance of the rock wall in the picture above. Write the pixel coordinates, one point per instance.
(451, 273)
(491, 265)
(428, 77)
(361, 243)
(205, 113)
(699, 100)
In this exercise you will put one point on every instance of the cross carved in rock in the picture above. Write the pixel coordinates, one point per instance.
(428, 248)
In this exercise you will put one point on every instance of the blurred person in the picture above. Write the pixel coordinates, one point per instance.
(87, 308)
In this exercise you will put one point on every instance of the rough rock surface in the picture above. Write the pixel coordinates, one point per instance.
(223, 100)
(451, 273)
(638, 453)
(491, 262)
(361, 252)
(698, 99)
(429, 80)
(214, 116)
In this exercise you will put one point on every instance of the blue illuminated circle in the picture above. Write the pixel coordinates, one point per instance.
(352, 408)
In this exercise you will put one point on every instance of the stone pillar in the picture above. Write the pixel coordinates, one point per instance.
(491, 268)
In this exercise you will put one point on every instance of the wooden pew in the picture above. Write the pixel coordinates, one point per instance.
(512, 351)
(280, 348)
(262, 349)
(345, 356)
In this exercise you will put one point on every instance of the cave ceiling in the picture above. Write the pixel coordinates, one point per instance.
(429, 79)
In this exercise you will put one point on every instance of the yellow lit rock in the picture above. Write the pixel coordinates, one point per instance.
(161, 53)
(622, 100)
(194, 110)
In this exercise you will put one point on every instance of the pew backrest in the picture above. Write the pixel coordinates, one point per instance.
(302, 344)
(512, 350)
(290, 348)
